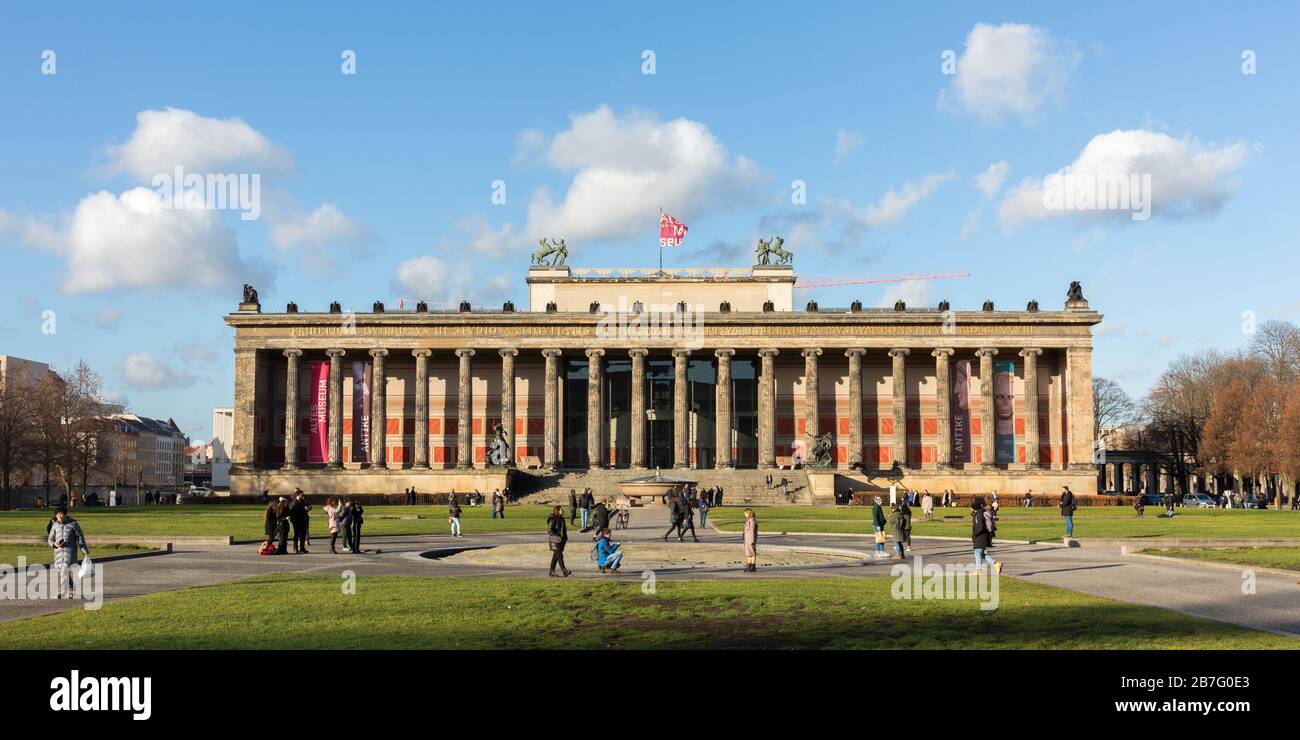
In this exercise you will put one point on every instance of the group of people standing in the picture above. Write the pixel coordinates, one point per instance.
(345, 518)
(899, 522)
(681, 516)
(280, 517)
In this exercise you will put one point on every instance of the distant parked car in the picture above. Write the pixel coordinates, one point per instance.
(200, 491)
(1256, 501)
(1199, 500)
(1153, 499)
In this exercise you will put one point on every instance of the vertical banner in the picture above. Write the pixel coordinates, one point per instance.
(1004, 412)
(318, 426)
(361, 412)
(960, 410)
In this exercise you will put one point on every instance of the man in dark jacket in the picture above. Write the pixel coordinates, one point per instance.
(599, 518)
(357, 520)
(298, 518)
(981, 534)
(1068, 505)
(573, 506)
(675, 517)
(282, 525)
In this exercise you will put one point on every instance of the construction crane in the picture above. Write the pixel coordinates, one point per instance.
(834, 281)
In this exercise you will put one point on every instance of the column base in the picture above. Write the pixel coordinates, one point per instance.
(289, 466)
(333, 466)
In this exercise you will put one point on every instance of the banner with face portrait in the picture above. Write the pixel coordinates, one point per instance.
(361, 412)
(318, 423)
(1004, 412)
(960, 412)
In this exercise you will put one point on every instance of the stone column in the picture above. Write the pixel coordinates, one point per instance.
(336, 407)
(550, 410)
(421, 407)
(855, 406)
(986, 355)
(767, 409)
(291, 408)
(1078, 403)
(722, 410)
(898, 382)
(465, 411)
(1031, 405)
(681, 410)
(595, 378)
(638, 406)
(811, 410)
(508, 400)
(245, 421)
(943, 397)
(378, 410)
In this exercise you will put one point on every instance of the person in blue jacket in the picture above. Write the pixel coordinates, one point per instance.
(608, 556)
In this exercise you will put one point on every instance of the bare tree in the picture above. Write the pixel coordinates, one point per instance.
(1277, 345)
(17, 421)
(1112, 408)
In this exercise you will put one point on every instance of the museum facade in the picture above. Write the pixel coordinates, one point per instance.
(705, 369)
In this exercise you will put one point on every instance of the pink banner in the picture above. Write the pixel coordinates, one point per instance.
(318, 426)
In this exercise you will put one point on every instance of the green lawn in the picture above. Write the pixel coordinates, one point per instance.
(1018, 523)
(35, 553)
(470, 613)
(244, 522)
(1287, 558)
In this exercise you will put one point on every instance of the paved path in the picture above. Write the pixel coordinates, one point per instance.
(1186, 587)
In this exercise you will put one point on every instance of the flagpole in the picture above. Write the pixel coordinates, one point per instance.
(661, 242)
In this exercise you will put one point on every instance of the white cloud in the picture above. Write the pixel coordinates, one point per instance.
(1187, 178)
(627, 167)
(529, 143)
(972, 222)
(847, 142)
(443, 285)
(132, 241)
(990, 181)
(196, 352)
(914, 293)
(107, 317)
(894, 205)
(1013, 69)
(165, 139)
(325, 226)
(143, 370)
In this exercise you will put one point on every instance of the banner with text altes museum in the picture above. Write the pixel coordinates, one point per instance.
(318, 425)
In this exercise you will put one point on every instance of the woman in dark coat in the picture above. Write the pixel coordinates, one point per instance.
(269, 524)
(981, 534)
(357, 519)
(557, 535)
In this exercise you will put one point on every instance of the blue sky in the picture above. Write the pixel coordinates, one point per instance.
(379, 185)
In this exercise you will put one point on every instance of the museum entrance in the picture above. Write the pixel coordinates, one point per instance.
(659, 414)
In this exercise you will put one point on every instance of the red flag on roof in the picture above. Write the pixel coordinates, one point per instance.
(671, 231)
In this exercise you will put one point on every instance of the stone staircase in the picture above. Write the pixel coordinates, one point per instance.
(739, 487)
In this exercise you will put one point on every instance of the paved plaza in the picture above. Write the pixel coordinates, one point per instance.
(1192, 588)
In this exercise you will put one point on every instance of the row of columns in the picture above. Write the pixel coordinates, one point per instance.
(595, 387)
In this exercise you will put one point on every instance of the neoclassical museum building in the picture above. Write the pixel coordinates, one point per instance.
(711, 371)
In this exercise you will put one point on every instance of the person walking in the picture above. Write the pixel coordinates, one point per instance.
(499, 508)
(332, 510)
(878, 523)
(588, 501)
(927, 506)
(557, 536)
(66, 537)
(608, 556)
(298, 517)
(453, 516)
(982, 535)
(688, 521)
(1029, 499)
(1068, 507)
(897, 525)
(1139, 506)
(573, 506)
(358, 518)
(751, 541)
(718, 493)
(675, 516)
(906, 511)
(704, 509)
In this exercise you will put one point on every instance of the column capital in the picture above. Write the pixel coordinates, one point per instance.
(421, 352)
(811, 352)
(552, 352)
(638, 352)
(378, 353)
(465, 352)
(681, 353)
(1028, 351)
(720, 353)
(768, 352)
(336, 352)
(508, 352)
(900, 352)
(855, 351)
(594, 353)
(942, 352)
(292, 353)
(986, 351)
